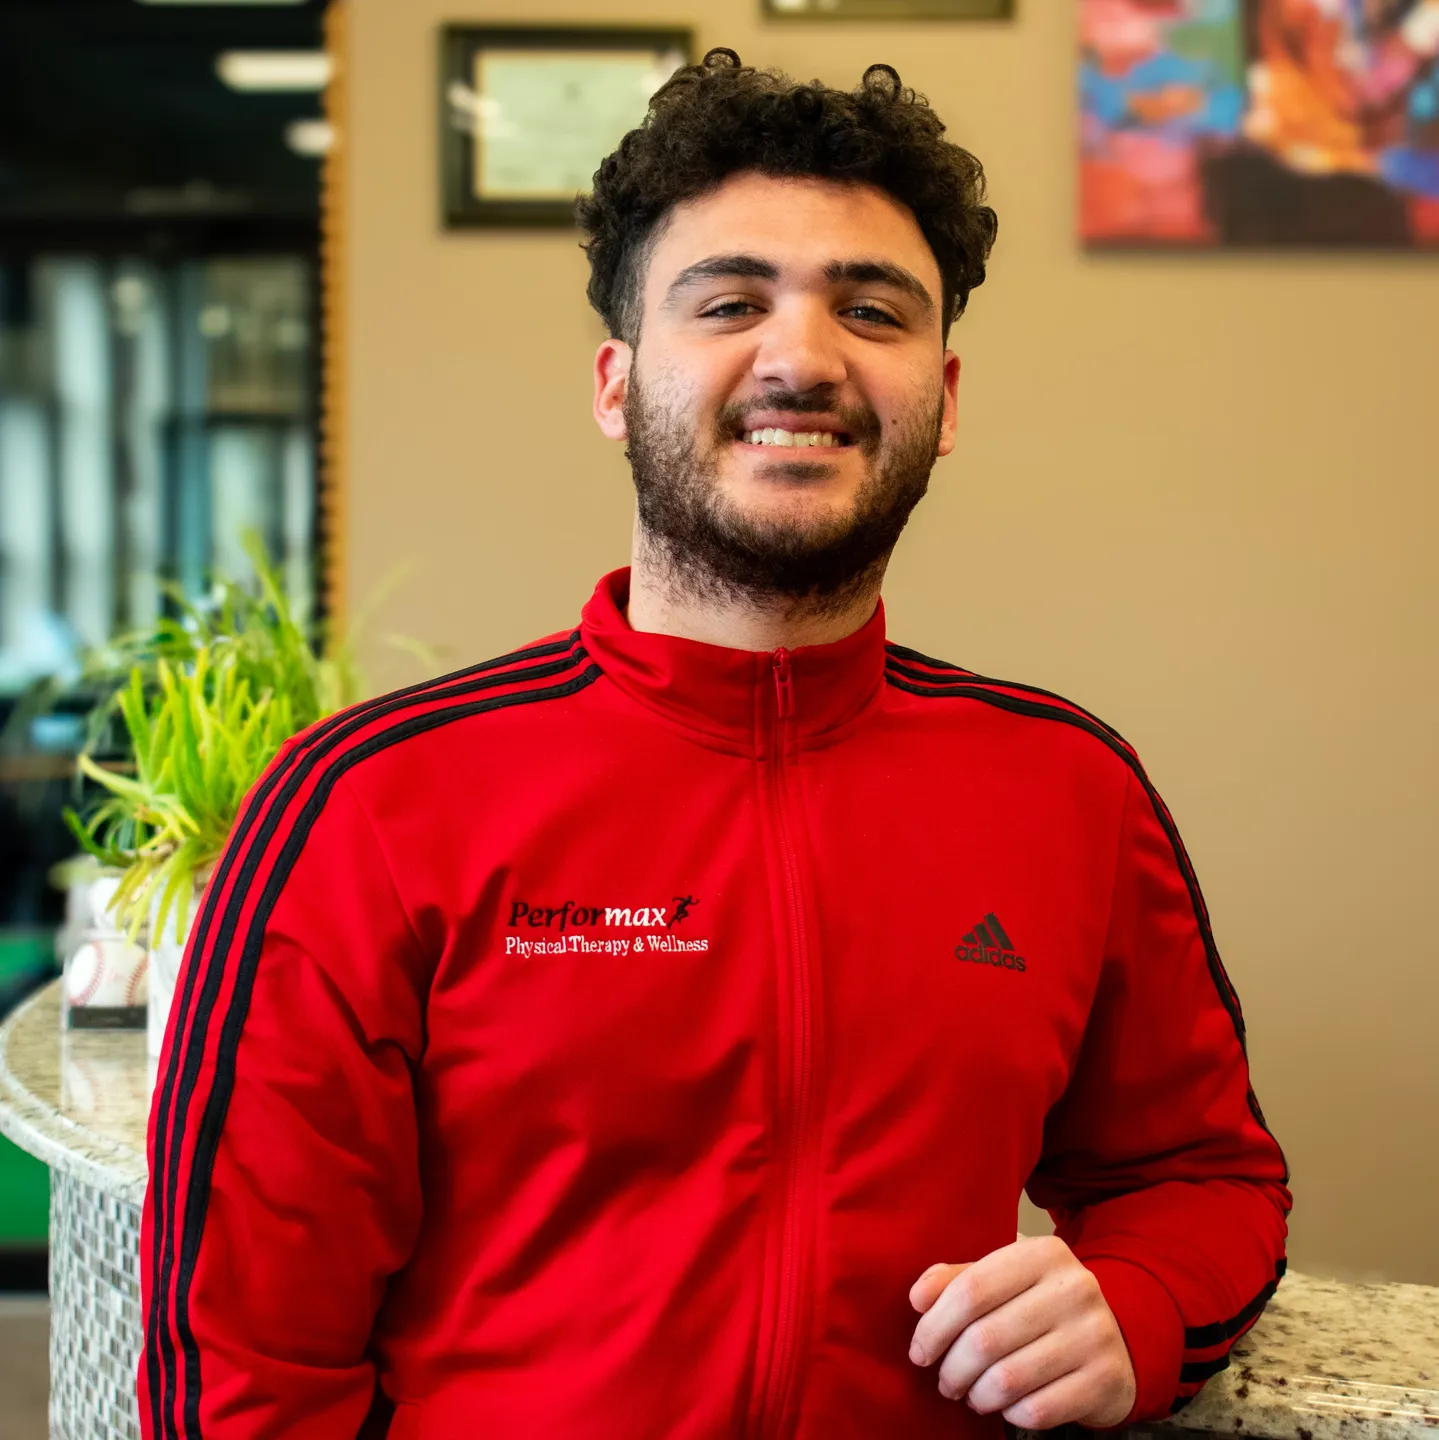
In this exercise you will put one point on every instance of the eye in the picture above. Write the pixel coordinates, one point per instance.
(872, 314)
(726, 310)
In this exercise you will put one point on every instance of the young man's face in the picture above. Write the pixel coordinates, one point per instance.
(790, 390)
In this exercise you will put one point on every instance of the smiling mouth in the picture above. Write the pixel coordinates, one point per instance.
(777, 439)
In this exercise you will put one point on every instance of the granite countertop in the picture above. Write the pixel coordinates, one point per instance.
(1326, 1360)
(1329, 1361)
(79, 1100)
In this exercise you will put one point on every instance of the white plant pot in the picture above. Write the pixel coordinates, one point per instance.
(166, 954)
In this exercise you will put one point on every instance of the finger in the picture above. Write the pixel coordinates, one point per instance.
(1002, 1345)
(927, 1289)
(1065, 1401)
(984, 1285)
(1025, 1370)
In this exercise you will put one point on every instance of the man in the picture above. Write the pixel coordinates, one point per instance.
(627, 1037)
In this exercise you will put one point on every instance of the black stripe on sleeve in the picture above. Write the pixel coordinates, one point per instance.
(898, 653)
(1196, 1372)
(179, 1082)
(1223, 1332)
(1203, 1337)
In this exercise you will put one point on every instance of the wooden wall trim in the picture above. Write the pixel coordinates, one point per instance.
(334, 469)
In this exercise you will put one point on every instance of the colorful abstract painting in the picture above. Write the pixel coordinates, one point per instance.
(1259, 122)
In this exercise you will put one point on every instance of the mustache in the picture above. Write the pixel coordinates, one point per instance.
(858, 421)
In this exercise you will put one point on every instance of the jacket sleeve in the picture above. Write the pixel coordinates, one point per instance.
(1157, 1167)
(284, 1185)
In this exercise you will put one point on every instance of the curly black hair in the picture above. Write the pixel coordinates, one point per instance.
(714, 119)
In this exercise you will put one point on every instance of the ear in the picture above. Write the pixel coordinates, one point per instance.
(949, 421)
(612, 379)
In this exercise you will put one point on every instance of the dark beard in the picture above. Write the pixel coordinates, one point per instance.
(709, 547)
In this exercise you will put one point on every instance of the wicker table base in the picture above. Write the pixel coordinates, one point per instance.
(95, 1329)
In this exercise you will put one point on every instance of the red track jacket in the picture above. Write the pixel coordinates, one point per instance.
(600, 1041)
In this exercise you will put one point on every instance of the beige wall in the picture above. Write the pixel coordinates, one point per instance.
(1195, 493)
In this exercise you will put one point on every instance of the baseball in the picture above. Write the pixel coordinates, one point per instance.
(108, 972)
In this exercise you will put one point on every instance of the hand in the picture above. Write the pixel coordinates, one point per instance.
(1025, 1331)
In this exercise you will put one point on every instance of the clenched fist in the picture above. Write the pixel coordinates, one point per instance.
(1024, 1331)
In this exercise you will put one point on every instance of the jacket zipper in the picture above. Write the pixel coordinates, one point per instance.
(782, 1361)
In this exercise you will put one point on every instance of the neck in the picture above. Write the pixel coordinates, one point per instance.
(663, 601)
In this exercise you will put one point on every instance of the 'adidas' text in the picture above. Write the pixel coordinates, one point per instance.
(987, 944)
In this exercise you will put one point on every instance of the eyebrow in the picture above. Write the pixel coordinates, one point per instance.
(754, 267)
(880, 272)
(720, 267)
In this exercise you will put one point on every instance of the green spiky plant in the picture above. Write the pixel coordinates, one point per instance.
(201, 738)
(208, 700)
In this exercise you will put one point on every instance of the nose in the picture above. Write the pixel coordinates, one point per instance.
(800, 347)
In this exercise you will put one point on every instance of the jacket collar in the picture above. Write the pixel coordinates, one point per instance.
(734, 697)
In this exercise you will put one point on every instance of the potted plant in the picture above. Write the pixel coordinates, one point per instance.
(208, 700)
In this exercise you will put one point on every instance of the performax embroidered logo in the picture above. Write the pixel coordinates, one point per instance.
(987, 944)
(645, 919)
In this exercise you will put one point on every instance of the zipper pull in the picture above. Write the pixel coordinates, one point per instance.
(783, 684)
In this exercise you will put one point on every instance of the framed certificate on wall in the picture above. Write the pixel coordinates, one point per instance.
(527, 114)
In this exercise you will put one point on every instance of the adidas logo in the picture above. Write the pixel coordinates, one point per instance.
(987, 944)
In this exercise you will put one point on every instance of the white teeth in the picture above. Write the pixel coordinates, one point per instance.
(800, 439)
